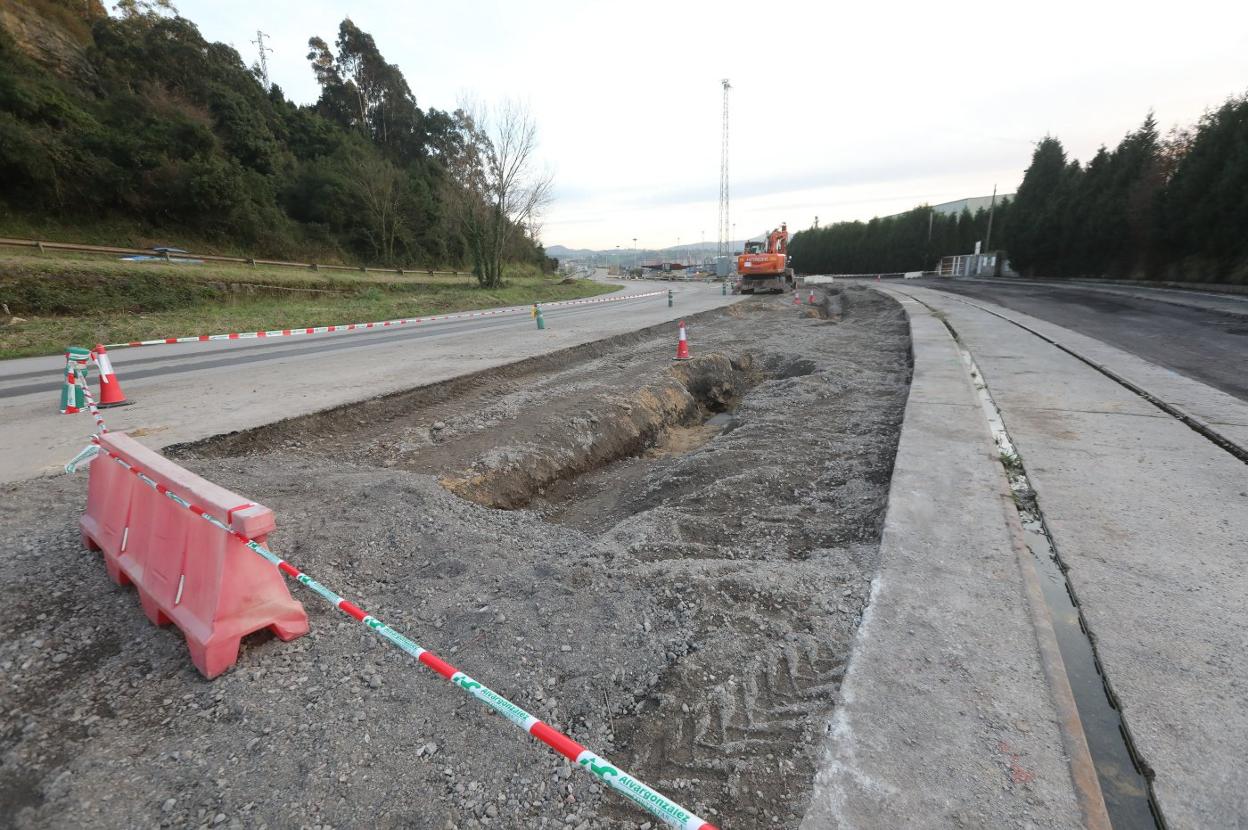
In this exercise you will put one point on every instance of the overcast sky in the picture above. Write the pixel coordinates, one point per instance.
(841, 111)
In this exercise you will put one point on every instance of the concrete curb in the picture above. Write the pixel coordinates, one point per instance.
(1148, 520)
(1083, 770)
(955, 707)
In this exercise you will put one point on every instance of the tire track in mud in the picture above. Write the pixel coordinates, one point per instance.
(763, 536)
(684, 608)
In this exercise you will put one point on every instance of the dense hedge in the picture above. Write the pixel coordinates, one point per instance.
(912, 241)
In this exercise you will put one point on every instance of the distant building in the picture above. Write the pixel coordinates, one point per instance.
(973, 204)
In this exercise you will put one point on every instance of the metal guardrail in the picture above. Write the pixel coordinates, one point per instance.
(309, 266)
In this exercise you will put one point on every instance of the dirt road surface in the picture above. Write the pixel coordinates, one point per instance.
(667, 561)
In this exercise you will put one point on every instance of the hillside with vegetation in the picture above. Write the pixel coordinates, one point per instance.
(1155, 207)
(132, 129)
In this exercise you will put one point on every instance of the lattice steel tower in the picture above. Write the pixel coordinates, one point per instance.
(264, 63)
(725, 228)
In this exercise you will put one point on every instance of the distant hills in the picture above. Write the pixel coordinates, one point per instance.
(696, 251)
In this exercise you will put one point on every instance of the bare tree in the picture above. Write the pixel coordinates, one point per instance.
(378, 186)
(498, 192)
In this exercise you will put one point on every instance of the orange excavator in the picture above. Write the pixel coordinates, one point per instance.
(764, 266)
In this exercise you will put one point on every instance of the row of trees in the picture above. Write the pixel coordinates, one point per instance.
(1154, 207)
(167, 131)
(910, 241)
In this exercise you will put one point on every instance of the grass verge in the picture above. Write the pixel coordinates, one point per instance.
(59, 301)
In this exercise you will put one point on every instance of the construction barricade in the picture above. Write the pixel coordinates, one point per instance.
(206, 582)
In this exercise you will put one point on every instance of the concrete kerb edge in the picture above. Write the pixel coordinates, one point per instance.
(1082, 771)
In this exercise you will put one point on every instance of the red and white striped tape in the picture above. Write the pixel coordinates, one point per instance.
(80, 373)
(617, 779)
(465, 315)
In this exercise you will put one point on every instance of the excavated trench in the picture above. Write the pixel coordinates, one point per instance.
(735, 499)
(683, 409)
(668, 561)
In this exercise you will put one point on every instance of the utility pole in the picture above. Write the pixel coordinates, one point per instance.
(816, 223)
(264, 63)
(992, 208)
(724, 239)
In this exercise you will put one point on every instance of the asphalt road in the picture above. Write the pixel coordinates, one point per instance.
(1200, 343)
(183, 392)
(40, 375)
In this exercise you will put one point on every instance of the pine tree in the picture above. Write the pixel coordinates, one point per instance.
(1038, 224)
(1204, 207)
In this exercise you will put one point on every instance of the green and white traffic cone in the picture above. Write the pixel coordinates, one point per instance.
(669, 298)
(72, 401)
(541, 321)
(723, 289)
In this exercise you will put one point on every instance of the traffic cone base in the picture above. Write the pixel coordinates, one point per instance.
(110, 389)
(682, 345)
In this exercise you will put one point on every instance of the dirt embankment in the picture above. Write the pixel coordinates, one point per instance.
(668, 561)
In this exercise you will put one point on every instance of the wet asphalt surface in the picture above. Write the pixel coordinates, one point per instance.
(1203, 345)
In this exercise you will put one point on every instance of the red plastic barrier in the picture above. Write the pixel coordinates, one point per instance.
(187, 572)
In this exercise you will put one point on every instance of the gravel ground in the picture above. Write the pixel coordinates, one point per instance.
(677, 588)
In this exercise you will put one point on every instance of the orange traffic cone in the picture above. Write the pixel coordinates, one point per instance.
(682, 345)
(811, 299)
(110, 389)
